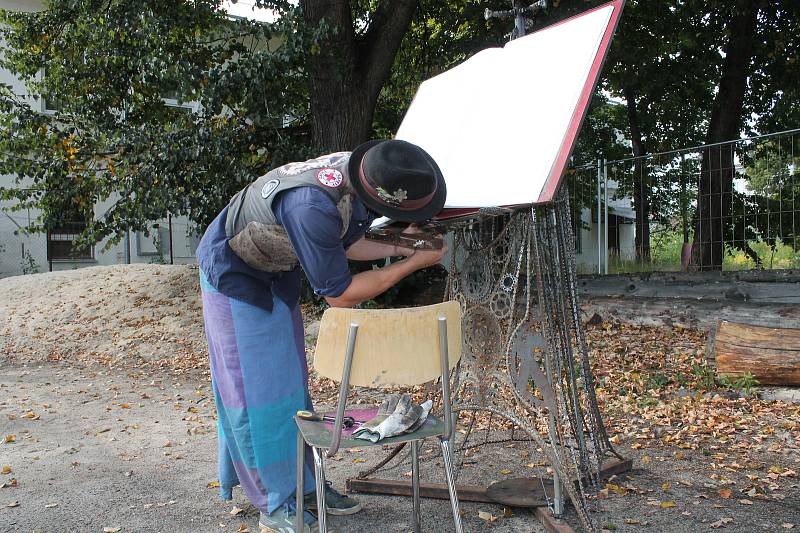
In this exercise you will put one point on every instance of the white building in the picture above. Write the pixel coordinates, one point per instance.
(591, 238)
(172, 240)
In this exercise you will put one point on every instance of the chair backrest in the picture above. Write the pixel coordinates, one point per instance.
(393, 346)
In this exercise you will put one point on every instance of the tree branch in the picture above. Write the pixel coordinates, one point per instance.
(382, 40)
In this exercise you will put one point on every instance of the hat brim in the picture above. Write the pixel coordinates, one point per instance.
(433, 208)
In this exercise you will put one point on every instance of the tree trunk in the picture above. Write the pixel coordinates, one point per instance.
(348, 71)
(717, 168)
(641, 182)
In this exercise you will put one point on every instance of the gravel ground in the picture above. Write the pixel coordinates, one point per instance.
(107, 421)
(108, 449)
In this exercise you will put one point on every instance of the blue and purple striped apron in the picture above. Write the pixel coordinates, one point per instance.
(260, 379)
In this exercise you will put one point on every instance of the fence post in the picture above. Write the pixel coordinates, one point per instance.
(605, 212)
(599, 244)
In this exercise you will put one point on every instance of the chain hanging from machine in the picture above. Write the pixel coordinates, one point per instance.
(515, 278)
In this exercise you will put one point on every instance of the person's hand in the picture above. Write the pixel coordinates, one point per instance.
(425, 258)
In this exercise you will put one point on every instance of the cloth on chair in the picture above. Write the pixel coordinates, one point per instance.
(259, 375)
(396, 415)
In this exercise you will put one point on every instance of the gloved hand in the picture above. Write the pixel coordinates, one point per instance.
(396, 415)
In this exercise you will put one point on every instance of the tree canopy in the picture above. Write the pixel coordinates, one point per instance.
(171, 107)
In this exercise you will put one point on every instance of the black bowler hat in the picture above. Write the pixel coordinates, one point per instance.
(398, 180)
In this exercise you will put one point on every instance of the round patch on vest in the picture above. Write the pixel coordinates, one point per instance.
(330, 177)
(269, 188)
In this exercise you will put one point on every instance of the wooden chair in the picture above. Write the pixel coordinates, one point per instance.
(378, 349)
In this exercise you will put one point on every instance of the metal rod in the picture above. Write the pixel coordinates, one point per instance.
(445, 362)
(701, 147)
(599, 166)
(444, 444)
(605, 213)
(343, 386)
(301, 482)
(319, 470)
(415, 486)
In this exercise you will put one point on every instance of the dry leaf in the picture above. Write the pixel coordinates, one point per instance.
(617, 489)
(50, 505)
(14, 504)
(359, 460)
(633, 522)
(666, 486)
(6, 469)
(111, 529)
(10, 438)
(212, 484)
(746, 502)
(489, 517)
(667, 505)
(125, 406)
(505, 471)
(721, 522)
(725, 493)
(236, 510)
(646, 459)
(507, 512)
(787, 525)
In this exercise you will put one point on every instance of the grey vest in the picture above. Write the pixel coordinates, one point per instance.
(251, 227)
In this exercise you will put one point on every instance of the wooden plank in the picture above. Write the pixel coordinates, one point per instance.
(469, 493)
(551, 523)
(439, 491)
(771, 355)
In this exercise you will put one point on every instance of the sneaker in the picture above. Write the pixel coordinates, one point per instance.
(282, 520)
(337, 503)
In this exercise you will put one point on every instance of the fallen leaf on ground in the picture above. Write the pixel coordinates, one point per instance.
(505, 471)
(10, 438)
(507, 512)
(746, 502)
(212, 484)
(13, 504)
(721, 522)
(725, 493)
(667, 505)
(6, 469)
(111, 529)
(787, 526)
(617, 489)
(236, 510)
(50, 505)
(489, 517)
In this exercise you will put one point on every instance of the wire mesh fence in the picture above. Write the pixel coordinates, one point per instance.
(727, 206)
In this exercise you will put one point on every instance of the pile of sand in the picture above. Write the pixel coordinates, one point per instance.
(123, 314)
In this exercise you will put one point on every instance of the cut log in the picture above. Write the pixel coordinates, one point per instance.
(771, 355)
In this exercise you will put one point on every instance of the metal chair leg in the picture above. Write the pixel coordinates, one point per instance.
(444, 444)
(415, 485)
(301, 482)
(319, 470)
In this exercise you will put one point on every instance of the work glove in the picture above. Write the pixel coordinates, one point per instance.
(396, 415)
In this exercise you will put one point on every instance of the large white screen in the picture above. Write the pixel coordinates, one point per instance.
(496, 123)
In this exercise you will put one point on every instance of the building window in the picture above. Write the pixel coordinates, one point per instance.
(60, 245)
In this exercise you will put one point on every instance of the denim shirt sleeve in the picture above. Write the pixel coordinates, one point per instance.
(314, 227)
